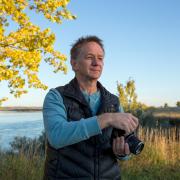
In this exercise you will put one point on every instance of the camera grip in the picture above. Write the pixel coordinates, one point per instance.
(117, 133)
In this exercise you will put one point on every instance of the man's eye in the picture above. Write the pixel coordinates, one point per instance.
(100, 59)
(89, 57)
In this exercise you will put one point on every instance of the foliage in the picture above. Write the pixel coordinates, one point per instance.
(2, 100)
(128, 98)
(22, 50)
(148, 120)
(178, 103)
(28, 146)
(166, 105)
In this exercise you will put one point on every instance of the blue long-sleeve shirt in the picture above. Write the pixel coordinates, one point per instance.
(61, 132)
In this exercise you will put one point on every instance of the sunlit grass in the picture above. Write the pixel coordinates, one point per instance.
(160, 158)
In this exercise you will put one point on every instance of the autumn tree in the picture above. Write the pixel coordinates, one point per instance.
(178, 103)
(22, 50)
(128, 97)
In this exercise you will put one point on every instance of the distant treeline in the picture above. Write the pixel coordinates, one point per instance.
(159, 117)
(21, 109)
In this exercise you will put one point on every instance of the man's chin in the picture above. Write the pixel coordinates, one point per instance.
(97, 74)
(94, 77)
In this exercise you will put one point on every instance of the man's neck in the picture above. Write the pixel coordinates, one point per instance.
(90, 86)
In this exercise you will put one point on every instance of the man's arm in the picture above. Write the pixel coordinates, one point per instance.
(58, 130)
(124, 121)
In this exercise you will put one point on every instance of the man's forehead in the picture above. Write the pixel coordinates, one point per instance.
(91, 48)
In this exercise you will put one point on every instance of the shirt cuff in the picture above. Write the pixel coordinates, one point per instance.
(91, 126)
(123, 157)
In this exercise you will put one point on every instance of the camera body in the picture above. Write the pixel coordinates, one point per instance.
(135, 145)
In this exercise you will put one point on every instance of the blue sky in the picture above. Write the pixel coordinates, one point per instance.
(141, 39)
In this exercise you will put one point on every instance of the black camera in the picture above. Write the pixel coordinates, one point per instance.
(135, 145)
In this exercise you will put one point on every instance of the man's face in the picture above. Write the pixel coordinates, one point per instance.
(89, 63)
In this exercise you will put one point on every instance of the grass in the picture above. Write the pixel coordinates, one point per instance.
(19, 167)
(160, 160)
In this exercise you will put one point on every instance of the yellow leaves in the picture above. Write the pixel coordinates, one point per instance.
(58, 65)
(53, 10)
(17, 82)
(128, 97)
(34, 81)
(20, 58)
(5, 73)
(2, 100)
(1, 32)
(18, 93)
(15, 9)
(48, 16)
(21, 50)
(66, 14)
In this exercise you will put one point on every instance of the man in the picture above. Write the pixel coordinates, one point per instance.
(79, 118)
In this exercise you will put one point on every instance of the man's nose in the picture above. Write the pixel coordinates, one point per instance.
(95, 62)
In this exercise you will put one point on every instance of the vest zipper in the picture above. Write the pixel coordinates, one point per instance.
(96, 164)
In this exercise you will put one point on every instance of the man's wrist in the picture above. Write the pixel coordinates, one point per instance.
(104, 120)
(123, 157)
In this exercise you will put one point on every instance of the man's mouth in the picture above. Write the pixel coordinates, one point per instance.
(95, 69)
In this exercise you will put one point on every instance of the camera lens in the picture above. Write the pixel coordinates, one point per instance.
(135, 145)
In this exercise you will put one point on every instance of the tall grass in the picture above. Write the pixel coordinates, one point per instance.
(20, 166)
(160, 158)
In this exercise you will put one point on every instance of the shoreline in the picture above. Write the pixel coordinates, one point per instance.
(20, 109)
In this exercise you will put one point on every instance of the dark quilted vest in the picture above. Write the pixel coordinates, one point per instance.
(91, 159)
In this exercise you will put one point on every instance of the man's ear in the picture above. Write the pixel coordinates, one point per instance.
(74, 64)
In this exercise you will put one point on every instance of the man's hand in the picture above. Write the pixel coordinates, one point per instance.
(120, 147)
(124, 121)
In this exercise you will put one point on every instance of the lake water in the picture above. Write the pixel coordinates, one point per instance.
(29, 124)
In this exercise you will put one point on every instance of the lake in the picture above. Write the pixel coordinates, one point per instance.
(29, 124)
